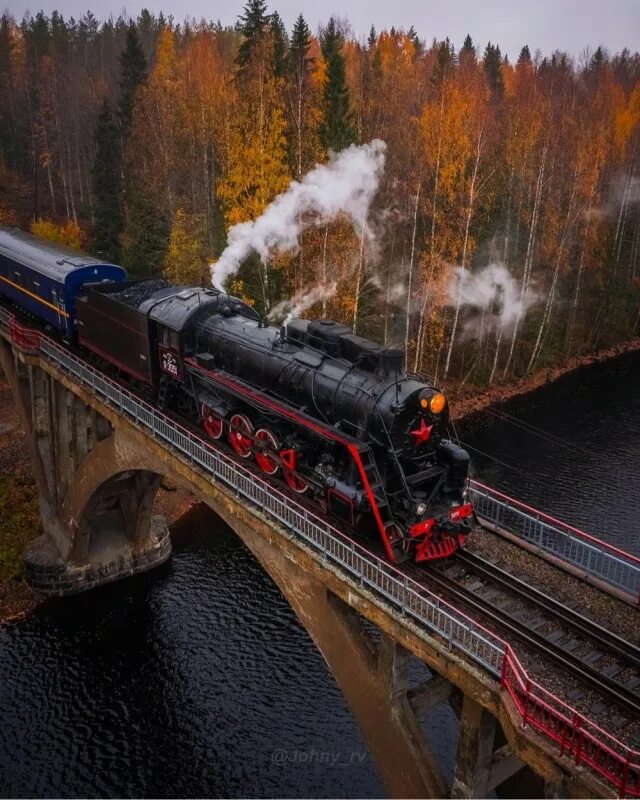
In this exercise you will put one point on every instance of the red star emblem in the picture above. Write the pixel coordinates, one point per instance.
(421, 434)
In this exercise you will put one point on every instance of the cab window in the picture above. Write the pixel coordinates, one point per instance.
(169, 338)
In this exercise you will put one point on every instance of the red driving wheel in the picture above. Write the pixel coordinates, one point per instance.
(296, 483)
(241, 434)
(293, 479)
(213, 424)
(266, 451)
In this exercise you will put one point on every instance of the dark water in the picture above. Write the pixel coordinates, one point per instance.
(195, 680)
(198, 680)
(582, 461)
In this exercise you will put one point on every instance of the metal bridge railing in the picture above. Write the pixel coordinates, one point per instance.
(576, 736)
(589, 554)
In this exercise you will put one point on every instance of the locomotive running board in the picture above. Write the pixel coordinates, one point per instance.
(356, 449)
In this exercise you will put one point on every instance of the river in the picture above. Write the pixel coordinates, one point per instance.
(197, 679)
(571, 449)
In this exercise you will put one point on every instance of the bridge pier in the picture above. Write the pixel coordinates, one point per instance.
(88, 540)
(475, 746)
(371, 675)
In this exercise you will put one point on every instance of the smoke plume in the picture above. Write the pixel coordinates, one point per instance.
(493, 293)
(301, 301)
(345, 185)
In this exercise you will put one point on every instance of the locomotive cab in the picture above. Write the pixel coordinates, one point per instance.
(169, 352)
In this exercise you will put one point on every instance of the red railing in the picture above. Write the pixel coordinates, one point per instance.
(575, 735)
(25, 338)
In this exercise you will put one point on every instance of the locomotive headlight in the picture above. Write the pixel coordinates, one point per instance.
(429, 400)
(437, 403)
(420, 509)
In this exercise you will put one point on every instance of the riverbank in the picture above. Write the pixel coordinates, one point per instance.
(468, 400)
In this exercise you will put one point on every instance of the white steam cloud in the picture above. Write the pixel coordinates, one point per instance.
(494, 294)
(345, 185)
(301, 301)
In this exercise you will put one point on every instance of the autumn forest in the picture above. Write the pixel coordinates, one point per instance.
(507, 220)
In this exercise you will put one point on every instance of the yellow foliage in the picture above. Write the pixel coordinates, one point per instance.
(237, 288)
(184, 260)
(68, 233)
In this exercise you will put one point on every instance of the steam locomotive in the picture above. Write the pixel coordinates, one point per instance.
(323, 412)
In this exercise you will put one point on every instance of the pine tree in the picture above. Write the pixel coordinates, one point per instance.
(299, 67)
(467, 51)
(492, 61)
(445, 62)
(336, 128)
(418, 44)
(252, 25)
(280, 44)
(373, 37)
(525, 55)
(134, 70)
(597, 61)
(299, 48)
(106, 187)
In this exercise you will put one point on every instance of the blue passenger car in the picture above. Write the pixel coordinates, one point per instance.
(45, 278)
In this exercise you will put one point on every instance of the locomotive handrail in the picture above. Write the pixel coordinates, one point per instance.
(575, 736)
(590, 555)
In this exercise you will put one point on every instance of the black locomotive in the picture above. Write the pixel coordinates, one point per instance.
(329, 414)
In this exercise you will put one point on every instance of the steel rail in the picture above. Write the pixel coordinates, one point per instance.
(456, 591)
(612, 642)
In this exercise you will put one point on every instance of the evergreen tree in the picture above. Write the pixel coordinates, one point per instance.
(134, 70)
(106, 187)
(492, 61)
(467, 51)
(525, 55)
(252, 24)
(373, 37)
(299, 67)
(445, 62)
(280, 44)
(597, 61)
(336, 128)
(7, 132)
(418, 44)
(299, 48)
(146, 238)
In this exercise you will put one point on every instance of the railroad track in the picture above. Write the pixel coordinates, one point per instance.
(588, 651)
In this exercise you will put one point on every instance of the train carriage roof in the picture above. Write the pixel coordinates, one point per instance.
(51, 260)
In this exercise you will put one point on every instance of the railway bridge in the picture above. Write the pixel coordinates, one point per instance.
(99, 455)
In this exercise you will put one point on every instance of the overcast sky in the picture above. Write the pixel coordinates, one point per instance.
(570, 25)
